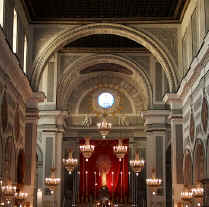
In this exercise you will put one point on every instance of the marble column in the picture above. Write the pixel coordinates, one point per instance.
(176, 121)
(157, 129)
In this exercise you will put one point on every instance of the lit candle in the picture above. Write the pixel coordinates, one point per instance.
(129, 177)
(39, 198)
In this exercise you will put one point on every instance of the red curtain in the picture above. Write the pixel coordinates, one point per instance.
(90, 174)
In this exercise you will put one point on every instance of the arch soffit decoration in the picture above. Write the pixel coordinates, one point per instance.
(73, 70)
(70, 35)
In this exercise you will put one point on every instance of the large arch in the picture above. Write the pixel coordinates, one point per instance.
(72, 72)
(155, 47)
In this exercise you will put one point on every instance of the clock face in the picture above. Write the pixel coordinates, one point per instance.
(106, 100)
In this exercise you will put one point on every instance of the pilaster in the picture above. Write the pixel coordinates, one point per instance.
(176, 121)
(157, 132)
(51, 124)
(32, 116)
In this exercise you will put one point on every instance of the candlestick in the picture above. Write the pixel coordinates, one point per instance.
(129, 178)
(112, 187)
(86, 184)
(121, 181)
(95, 184)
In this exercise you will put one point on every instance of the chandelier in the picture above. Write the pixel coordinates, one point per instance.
(120, 150)
(20, 197)
(8, 191)
(197, 191)
(154, 182)
(52, 181)
(104, 127)
(87, 149)
(70, 163)
(137, 164)
(186, 195)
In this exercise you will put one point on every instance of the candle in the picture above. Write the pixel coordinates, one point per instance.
(95, 184)
(39, 198)
(129, 177)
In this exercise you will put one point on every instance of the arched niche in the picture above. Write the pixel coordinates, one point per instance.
(187, 168)
(21, 167)
(3, 112)
(154, 46)
(17, 124)
(199, 161)
(10, 158)
(71, 78)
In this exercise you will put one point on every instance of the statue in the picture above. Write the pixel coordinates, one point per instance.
(103, 163)
(86, 123)
(123, 121)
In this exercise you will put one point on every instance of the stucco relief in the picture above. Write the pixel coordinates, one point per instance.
(66, 60)
(169, 37)
(99, 82)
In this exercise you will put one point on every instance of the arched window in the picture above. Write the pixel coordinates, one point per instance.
(1, 12)
(15, 32)
(25, 54)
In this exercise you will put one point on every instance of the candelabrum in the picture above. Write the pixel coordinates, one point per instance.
(20, 198)
(197, 193)
(70, 163)
(52, 181)
(120, 150)
(186, 195)
(8, 191)
(154, 182)
(87, 149)
(104, 127)
(137, 165)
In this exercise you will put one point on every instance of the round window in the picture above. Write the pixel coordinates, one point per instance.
(106, 100)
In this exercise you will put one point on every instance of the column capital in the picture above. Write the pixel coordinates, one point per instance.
(173, 100)
(175, 103)
(156, 120)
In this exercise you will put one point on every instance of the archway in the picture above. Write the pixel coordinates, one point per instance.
(155, 47)
(199, 161)
(3, 112)
(187, 168)
(66, 83)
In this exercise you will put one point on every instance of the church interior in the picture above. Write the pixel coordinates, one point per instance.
(104, 103)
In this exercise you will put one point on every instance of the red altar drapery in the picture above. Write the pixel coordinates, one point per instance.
(90, 174)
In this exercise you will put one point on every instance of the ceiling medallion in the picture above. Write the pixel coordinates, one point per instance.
(204, 113)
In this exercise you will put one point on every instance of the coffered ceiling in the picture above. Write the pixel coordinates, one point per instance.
(145, 10)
